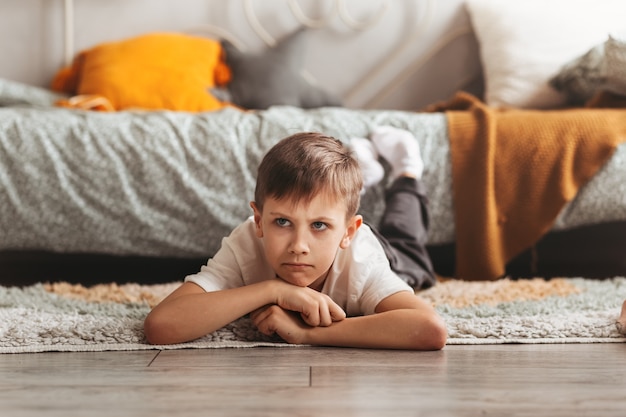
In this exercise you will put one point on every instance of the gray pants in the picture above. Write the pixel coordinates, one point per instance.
(403, 232)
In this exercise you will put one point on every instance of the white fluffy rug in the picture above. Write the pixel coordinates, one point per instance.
(63, 317)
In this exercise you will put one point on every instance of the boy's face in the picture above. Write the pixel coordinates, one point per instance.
(301, 240)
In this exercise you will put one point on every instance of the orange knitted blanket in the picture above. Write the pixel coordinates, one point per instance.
(514, 170)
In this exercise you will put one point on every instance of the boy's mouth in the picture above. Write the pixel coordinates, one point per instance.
(297, 266)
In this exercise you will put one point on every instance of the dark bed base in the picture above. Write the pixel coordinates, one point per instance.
(24, 268)
(597, 251)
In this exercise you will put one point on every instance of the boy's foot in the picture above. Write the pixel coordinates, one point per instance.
(367, 157)
(401, 149)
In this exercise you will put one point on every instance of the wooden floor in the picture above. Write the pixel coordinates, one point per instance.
(492, 380)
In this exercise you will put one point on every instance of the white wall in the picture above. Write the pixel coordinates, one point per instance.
(32, 41)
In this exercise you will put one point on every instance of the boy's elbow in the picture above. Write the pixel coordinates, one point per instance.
(158, 330)
(439, 333)
(432, 335)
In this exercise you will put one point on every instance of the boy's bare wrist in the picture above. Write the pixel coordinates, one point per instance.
(273, 288)
(314, 335)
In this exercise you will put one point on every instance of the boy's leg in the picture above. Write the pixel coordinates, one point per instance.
(403, 232)
(404, 225)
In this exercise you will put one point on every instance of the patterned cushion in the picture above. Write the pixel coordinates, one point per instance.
(274, 76)
(602, 68)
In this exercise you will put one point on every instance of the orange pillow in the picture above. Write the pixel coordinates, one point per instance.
(155, 71)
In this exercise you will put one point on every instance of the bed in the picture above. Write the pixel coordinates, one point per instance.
(146, 194)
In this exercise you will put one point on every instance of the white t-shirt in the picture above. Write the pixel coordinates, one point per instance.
(359, 278)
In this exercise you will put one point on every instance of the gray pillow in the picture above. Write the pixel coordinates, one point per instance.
(602, 68)
(274, 76)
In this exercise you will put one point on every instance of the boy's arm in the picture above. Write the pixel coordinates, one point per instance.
(190, 312)
(401, 321)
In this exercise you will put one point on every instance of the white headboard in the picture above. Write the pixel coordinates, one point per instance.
(397, 54)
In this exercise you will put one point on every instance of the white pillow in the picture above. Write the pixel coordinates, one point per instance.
(525, 43)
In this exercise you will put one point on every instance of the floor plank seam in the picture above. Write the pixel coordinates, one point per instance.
(154, 358)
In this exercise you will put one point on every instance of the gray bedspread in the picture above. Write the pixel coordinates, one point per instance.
(173, 184)
(162, 183)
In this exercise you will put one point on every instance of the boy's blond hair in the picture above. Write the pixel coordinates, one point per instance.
(302, 165)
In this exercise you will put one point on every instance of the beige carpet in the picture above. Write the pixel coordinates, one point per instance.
(451, 292)
(64, 317)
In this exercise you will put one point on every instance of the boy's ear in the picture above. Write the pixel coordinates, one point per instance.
(353, 226)
(257, 219)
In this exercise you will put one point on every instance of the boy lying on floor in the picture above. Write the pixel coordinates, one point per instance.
(306, 267)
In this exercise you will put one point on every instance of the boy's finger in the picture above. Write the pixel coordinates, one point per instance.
(311, 317)
(255, 313)
(325, 315)
(336, 312)
(257, 317)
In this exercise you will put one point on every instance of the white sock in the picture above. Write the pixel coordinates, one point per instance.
(401, 149)
(367, 157)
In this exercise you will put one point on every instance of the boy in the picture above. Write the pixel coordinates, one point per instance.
(305, 267)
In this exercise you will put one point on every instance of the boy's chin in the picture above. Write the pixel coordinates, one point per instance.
(300, 281)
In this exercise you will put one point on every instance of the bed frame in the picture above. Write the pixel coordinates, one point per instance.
(430, 54)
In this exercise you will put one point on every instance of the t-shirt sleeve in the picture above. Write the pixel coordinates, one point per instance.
(225, 269)
(380, 283)
(221, 272)
(374, 278)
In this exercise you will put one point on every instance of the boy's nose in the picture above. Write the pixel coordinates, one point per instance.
(298, 244)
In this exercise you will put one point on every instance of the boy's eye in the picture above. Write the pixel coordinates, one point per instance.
(319, 225)
(282, 222)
